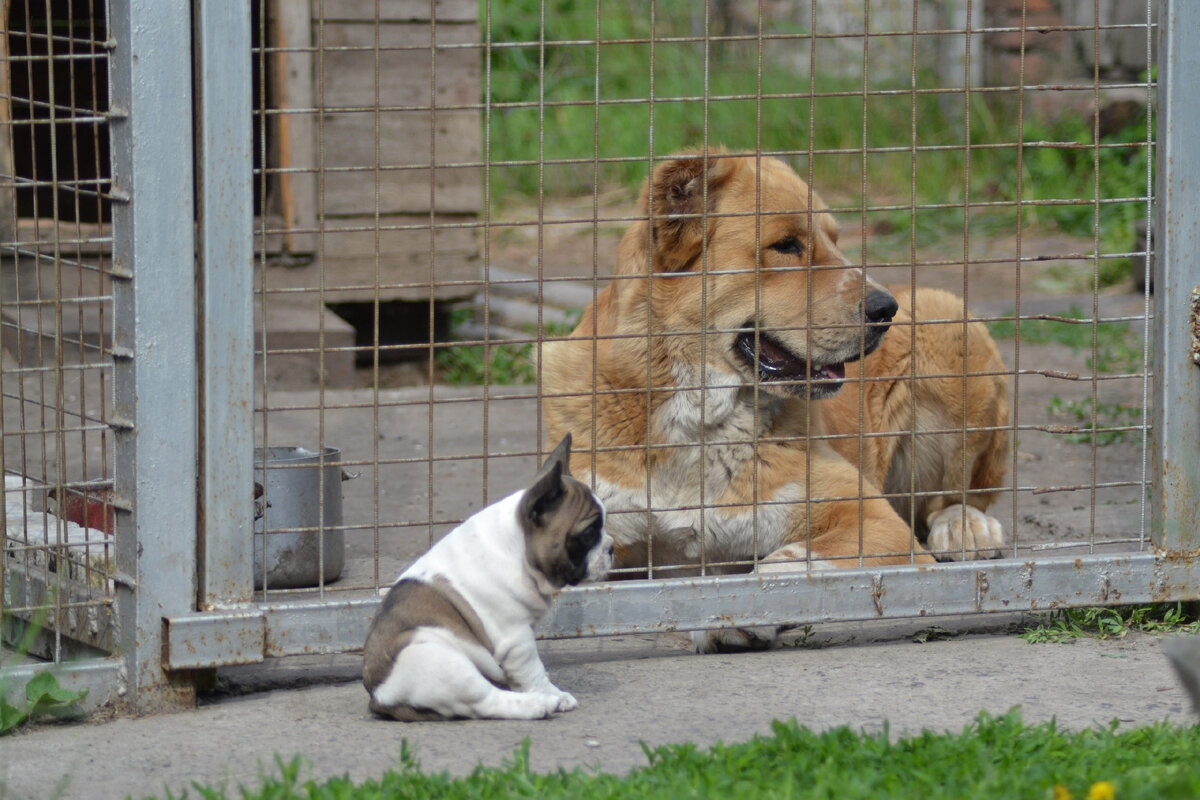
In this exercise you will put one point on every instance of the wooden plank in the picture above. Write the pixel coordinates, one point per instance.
(403, 136)
(396, 10)
(292, 80)
(404, 141)
(410, 266)
(405, 75)
(347, 80)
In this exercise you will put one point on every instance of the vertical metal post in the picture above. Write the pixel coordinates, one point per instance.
(1177, 284)
(224, 161)
(154, 337)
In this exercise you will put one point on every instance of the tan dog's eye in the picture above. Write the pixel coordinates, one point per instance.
(790, 245)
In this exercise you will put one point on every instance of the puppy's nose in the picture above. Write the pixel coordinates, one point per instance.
(880, 307)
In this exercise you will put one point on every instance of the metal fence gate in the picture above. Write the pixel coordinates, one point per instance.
(247, 249)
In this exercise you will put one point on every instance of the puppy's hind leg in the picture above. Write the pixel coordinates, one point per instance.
(432, 675)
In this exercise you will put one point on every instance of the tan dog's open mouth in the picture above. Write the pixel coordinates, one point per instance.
(774, 363)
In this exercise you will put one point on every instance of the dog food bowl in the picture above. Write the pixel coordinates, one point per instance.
(291, 477)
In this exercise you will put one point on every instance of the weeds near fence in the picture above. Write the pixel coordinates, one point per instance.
(503, 363)
(1068, 624)
(1118, 348)
(1106, 423)
(995, 757)
(43, 695)
(1112, 347)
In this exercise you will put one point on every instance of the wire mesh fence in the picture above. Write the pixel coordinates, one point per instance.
(886, 296)
(56, 322)
(463, 219)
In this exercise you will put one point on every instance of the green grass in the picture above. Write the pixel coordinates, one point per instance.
(578, 116)
(1118, 347)
(995, 757)
(504, 363)
(1099, 424)
(1068, 624)
(43, 695)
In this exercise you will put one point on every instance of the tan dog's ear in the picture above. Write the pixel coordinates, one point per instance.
(678, 188)
(825, 220)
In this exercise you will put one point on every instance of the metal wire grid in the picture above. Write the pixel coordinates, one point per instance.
(542, 221)
(55, 315)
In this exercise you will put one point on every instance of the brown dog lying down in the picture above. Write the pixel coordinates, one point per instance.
(720, 408)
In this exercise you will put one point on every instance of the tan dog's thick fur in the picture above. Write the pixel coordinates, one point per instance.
(724, 363)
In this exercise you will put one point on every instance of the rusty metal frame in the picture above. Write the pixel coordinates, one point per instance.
(657, 606)
(250, 633)
(1177, 286)
(154, 342)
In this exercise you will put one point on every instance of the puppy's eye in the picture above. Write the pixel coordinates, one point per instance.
(790, 246)
(579, 544)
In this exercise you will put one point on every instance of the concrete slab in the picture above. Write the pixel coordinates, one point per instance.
(631, 690)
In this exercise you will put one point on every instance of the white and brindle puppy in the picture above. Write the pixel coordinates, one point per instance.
(455, 638)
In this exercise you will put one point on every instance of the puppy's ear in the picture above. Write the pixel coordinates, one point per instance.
(681, 187)
(561, 454)
(546, 493)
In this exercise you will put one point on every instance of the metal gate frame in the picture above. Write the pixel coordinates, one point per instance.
(184, 558)
(242, 634)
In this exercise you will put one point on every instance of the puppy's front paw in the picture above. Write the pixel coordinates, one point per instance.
(734, 640)
(540, 704)
(566, 702)
(961, 532)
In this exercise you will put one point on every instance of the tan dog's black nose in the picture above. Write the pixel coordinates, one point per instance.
(880, 307)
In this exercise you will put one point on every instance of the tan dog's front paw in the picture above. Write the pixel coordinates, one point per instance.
(964, 533)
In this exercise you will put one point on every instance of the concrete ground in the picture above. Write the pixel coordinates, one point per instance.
(632, 690)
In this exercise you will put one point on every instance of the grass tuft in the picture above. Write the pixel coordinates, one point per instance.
(994, 757)
(1068, 624)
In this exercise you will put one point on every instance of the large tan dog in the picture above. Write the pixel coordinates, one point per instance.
(716, 394)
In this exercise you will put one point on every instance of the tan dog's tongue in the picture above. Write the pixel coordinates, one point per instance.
(835, 372)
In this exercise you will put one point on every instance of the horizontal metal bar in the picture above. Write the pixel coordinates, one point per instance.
(103, 678)
(205, 640)
(640, 606)
(848, 595)
(250, 634)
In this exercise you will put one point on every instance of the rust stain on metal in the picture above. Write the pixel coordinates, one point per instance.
(1195, 323)
(981, 589)
(877, 593)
